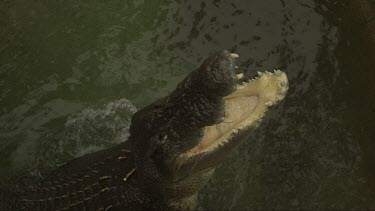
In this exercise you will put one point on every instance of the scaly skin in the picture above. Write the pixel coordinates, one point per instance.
(103, 180)
(147, 172)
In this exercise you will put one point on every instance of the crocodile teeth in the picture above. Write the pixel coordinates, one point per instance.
(269, 103)
(278, 72)
(239, 76)
(260, 73)
(235, 67)
(234, 56)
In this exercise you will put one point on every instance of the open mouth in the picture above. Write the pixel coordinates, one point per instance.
(244, 108)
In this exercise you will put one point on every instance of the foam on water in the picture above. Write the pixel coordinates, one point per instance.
(93, 129)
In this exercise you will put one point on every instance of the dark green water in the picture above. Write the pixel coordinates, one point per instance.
(72, 73)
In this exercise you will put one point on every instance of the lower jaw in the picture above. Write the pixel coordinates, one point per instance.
(233, 121)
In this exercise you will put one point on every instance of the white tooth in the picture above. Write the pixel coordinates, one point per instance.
(234, 56)
(260, 73)
(269, 103)
(235, 67)
(239, 76)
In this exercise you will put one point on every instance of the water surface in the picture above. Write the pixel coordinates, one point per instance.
(72, 73)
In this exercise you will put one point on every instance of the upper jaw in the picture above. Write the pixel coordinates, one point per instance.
(217, 74)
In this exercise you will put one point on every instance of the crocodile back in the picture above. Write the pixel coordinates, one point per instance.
(103, 180)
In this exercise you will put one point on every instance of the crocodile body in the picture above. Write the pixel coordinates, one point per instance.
(174, 145)
(98, 181)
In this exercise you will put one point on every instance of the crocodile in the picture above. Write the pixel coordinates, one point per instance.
(174, 145)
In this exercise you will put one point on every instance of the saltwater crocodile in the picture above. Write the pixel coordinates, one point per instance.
(174, 145)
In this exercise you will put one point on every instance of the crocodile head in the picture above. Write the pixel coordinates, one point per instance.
(180, 139)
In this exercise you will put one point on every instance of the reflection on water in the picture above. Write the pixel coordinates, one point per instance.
(312, 151)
